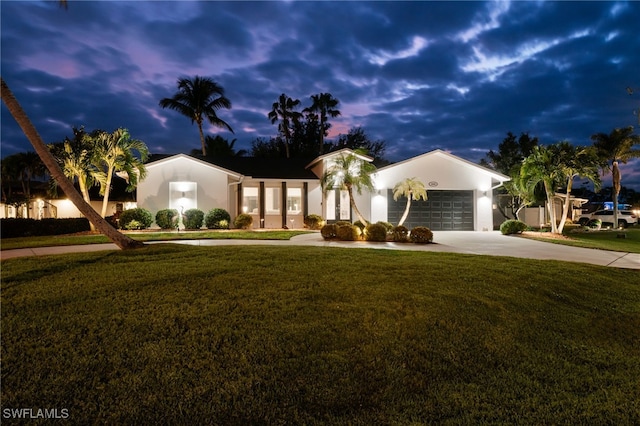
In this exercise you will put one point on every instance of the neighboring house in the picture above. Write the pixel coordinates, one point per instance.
(44, 206)
(281, 192)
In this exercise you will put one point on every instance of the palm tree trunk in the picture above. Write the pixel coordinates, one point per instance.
(551, 208)
(615, 172)
(45, 155)
(352, 201)
(406, 211)
(85, 195)
(204, 146)
(566, 205)
(105, 197)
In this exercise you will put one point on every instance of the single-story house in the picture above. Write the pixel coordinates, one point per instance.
(281, 192)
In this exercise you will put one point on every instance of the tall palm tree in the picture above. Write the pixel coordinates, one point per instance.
(197, 99)
(283, 110)
(323, 104)
(349, 172)
(116, 152)
(614, 148)
(413, 189)
(57, 174)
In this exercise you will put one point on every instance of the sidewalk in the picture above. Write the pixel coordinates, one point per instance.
(467, 242)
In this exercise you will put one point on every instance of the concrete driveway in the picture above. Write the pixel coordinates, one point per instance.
(486, 243)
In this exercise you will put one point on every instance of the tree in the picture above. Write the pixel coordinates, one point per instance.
(413, 189)
(356, 138)
(219, 147)
(324, 105)
(56, 173)
(349, 172)
(22, 167)
(508, 161)
(116, 152)
(612, 149)
(197, 99)
(555, 166)
(283, 110)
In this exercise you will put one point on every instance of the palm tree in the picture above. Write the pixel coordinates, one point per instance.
(555, 166)
(412, 188)
(539, 167)
(614, 148)
(199, 98)
(57, 174)
(283, 110)
(113, 153)
(349, 172)
(575, 162)
(325, 105)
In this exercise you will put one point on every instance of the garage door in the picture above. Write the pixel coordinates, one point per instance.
(443, 211)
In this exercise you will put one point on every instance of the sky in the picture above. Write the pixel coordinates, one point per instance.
(419, 75)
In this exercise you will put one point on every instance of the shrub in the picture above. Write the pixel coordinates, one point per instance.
(342, 223)
(243, 221)
(22, 227)
(387, 226)
(360, 225)
(314, 221)
(217, 219)
(376, 232)
(142, 217)
(167, 218)
(421, 235)
(193, 219)
(348, 232)
(511, 226)
(329, 231)
(400, 234)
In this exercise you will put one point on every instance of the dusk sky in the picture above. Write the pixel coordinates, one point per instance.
(419, 75)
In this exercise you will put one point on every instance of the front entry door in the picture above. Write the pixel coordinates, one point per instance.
(338, 206)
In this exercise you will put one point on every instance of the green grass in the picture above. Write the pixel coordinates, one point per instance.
(309, 335)
(78, 239)
(603, 240)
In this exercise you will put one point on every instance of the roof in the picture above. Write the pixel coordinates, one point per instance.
(267, 168)
(344, 151)
(438, 152)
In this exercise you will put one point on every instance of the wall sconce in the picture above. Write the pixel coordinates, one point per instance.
(182, 194)
(484, 194)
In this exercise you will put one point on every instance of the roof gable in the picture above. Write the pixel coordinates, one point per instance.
(171, 158)
(443, 154)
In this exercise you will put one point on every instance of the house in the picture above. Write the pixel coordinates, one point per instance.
(281, 192)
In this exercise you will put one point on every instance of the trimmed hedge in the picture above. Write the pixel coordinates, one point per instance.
(511, 226)
(400, 234)
(376, 232)
(314, 221)
(217, 219)
(22, 227)
(421, 235)
(137, 218)
(329, 231)
(167, 218)
(348, 232)
(193, 219)
(243, 221)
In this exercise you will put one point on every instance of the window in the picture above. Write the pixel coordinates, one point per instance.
(294, 200)
(250, 200)
(272, 200)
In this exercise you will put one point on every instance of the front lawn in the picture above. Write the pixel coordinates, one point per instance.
(603, 239)
(77, 239)
(309, 335)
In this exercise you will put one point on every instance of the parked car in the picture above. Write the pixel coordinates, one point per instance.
(625, 217)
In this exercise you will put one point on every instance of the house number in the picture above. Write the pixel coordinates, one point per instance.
(433, 183)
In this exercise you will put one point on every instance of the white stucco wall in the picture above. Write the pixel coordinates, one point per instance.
(439, 170)
(212, 184)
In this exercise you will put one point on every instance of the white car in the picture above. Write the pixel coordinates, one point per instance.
(625, 217)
